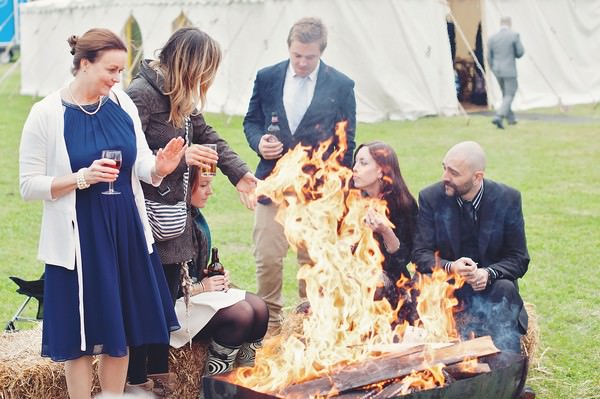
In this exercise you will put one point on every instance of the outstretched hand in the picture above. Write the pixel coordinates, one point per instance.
(169, 157)
(247, 187)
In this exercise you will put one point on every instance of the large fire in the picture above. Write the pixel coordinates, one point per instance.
(321, 213)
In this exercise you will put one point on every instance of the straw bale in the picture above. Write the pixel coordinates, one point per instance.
(530, 341)
(188, 364)
(23, 372)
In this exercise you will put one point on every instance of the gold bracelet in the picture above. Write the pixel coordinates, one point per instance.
(81, 183)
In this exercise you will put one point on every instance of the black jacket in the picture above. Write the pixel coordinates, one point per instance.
(502, 244)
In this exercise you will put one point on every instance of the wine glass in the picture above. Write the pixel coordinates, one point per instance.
(116, 156)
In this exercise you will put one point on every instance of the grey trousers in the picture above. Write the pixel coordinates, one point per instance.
(270, 248)
(509, 89)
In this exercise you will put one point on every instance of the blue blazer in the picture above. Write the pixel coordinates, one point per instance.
(333, 101)
(502, 244)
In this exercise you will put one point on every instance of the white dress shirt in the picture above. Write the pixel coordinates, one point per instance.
(297, 95)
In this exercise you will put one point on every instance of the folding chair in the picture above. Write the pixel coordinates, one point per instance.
(31, 289)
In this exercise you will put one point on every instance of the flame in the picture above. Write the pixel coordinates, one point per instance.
(436, 305)
(323, 215)
(426, 379)
(469, 364)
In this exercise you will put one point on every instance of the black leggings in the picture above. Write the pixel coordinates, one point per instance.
(153, 358)
(245, 321)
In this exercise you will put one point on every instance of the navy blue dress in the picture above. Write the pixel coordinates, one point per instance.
(125, 297)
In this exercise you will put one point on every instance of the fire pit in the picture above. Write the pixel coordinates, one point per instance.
(350, 345)
(507, 375)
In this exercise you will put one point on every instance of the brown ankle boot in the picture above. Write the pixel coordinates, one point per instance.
(137, 388)
(165, 384)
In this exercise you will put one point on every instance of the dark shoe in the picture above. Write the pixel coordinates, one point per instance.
(527, 393)
(303, 308)
(512, 122)
(498, 122)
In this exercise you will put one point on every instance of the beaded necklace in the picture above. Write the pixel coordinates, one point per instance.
(80, 106)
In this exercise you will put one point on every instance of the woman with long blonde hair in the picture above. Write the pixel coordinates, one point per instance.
(170, 93)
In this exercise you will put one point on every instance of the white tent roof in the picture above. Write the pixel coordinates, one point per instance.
(401, 67)
(396, 51)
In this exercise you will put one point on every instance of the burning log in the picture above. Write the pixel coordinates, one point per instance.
(461, 371)
(504, 381)
(391, 366)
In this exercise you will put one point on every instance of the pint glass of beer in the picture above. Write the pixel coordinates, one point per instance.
(211, 169)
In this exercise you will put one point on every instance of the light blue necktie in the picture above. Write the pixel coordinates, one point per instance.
(300, 104)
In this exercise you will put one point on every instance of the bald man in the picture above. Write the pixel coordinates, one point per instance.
(476, 228)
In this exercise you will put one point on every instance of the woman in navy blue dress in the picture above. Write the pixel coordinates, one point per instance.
(104, 287)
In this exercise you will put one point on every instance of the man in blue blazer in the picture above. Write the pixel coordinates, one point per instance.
(503, 49)
(310, 98)
(474, 227)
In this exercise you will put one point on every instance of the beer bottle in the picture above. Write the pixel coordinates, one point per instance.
(215, 268)
(273, 128)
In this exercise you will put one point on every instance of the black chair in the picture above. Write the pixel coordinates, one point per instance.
(31, 289)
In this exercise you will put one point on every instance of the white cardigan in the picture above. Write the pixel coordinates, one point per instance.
(43, 156)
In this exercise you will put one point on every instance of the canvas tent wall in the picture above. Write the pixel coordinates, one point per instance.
(561, 65)
(401, 66)
(397, 51)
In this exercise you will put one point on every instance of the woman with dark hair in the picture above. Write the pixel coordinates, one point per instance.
(377, 174)
(234, 320)
(170, 93)
(104, 288)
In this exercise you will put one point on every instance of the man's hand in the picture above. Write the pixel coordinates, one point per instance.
(246, 187)
(269, 147)
(480, 280)
(465, 267)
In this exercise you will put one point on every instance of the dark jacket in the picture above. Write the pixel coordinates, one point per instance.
(333, 101)
(501, 240)
(395, 265)
(146, 91)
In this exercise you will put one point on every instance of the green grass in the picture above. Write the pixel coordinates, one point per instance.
(554, 165)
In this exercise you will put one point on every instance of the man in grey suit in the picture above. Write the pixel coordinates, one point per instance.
(309, 98)
(503, 49)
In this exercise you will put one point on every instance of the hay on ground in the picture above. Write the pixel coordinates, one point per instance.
(530, 341)
(188, 364)
(25, 374)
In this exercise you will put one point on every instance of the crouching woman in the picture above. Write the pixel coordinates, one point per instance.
(233, 320)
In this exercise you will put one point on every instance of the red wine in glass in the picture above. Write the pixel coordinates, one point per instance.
(116, 156)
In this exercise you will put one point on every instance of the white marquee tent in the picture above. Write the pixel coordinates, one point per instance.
(397, 51)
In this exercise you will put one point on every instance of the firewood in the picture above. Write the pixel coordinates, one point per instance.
(460, 371)
(391, 366)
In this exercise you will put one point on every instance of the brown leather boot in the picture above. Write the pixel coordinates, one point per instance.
(164, 384)
(137, 388)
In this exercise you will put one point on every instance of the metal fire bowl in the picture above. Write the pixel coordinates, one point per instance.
(505, 381)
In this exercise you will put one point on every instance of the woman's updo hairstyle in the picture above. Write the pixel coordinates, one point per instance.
(91, 44)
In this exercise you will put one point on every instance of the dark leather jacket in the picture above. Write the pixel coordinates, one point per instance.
(146, 91)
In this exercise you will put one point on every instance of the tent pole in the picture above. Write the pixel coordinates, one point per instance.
(464, 113)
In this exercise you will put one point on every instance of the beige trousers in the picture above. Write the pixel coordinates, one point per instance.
(270, 248)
